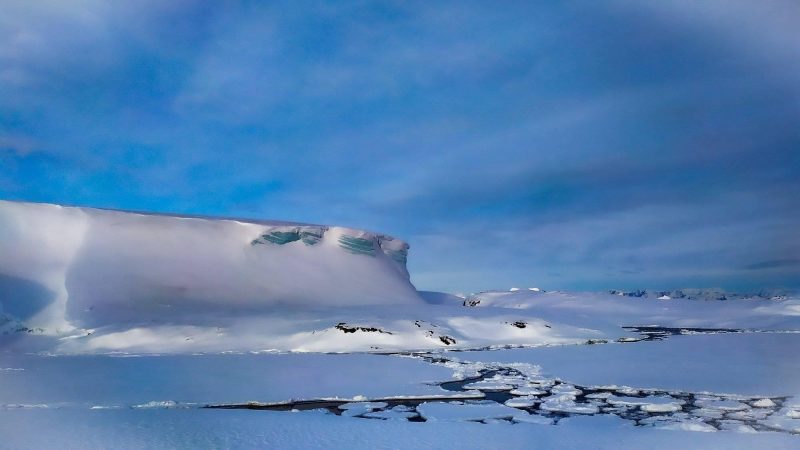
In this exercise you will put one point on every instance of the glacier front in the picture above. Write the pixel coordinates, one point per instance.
(66, 268)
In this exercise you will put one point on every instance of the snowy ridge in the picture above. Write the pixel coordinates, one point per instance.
(704, 294)
(521, 298)
(67, 267)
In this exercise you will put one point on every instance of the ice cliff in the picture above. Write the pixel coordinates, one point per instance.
(67, 267)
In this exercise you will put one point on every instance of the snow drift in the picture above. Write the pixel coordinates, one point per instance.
(65, 267)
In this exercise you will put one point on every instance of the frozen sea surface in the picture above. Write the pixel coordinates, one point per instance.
(206, 429)
(91, 380)
(101, 401)
(747, 363)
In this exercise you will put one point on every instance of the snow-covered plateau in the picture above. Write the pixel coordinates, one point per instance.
(122, 329)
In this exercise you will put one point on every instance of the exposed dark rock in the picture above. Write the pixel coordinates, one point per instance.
(352, 329)
(447, 340)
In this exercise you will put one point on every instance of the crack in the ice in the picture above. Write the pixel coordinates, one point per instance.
(554, 399)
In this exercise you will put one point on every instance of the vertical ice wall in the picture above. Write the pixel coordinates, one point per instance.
(63, 267)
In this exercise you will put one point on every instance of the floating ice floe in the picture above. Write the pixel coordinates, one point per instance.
(642, 401)
(791, 413)
(400, 412)
(751, 414)
(367, 405)
(782, 422)
(454, 395)
(599, 395)
(565, 403)
(566, 389)
(522, 402)
(689, 425)
(533, 418)
(157, 404)
(463, 369)
(662, 419)
(360, 408)
(527, 390)
(469, 411)
(708, 413)
(661, 407)
(764, 403)
(733, 425)
(541, 383)
(626, 390)
(489, 385)
(723, 405)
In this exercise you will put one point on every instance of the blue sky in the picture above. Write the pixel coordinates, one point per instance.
(566, 145)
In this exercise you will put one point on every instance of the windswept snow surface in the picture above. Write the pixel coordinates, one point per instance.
(527, 318)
